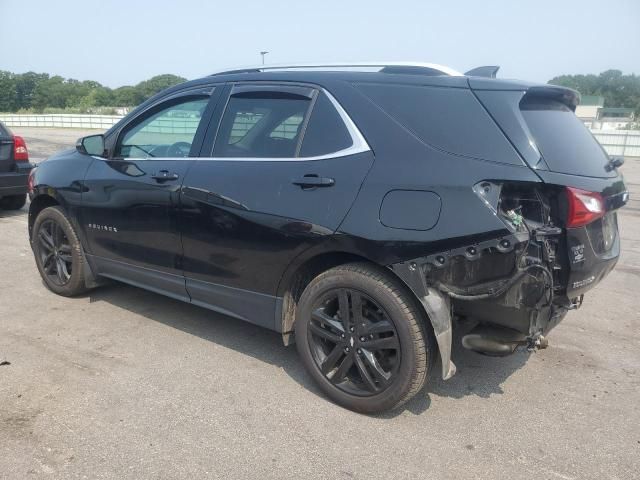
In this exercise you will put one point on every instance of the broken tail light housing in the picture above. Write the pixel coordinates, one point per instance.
(30, 181)
(20, 152)
(584, 207)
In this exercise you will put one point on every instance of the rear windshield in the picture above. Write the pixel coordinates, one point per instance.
(565, 143)
(4, 132)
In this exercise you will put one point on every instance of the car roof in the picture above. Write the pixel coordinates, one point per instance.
(325, 75)
(370, 72)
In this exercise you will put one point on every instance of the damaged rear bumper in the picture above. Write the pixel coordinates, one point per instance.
(523, 283)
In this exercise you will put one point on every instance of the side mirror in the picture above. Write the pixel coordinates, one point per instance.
(91, 145)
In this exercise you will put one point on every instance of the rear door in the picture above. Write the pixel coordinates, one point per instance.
(131, 201)
(283, 171)
(6, 149)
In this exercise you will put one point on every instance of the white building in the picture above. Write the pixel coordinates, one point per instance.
(598, 117)
(587, 111)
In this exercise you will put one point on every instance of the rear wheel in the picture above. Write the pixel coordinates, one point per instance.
(362, 338)
(58, 253)
(13, 202)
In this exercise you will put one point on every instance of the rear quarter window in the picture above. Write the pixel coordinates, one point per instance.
(326, 132)
(450, 119)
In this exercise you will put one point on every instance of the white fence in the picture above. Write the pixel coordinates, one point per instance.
(615, 142)
(60, 120)
(624, 143)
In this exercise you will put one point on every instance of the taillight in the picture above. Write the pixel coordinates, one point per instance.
(584, 207)
(20, 153)
(30, 181)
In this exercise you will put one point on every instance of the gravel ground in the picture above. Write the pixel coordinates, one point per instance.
(126, 384)
(43, 142)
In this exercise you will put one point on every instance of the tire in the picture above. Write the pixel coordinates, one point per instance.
(390, 353)
(58, 253)
(13, 202)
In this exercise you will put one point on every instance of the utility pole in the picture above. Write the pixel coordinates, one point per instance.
(263, 54)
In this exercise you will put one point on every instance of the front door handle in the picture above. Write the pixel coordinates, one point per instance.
(164, 175)
(313, 181)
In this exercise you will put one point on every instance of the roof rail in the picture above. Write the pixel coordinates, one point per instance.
(389, 67)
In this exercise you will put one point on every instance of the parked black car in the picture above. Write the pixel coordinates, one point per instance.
(358, 213)
(14, 170)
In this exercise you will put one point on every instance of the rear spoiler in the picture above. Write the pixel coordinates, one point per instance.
(567, 96)
(530, 91)
(489, 71)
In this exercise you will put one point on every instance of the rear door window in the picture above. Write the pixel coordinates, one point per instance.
(564, 142)
(263, 123)
(279, 121)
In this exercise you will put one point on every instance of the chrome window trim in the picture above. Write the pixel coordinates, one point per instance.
(358, 145)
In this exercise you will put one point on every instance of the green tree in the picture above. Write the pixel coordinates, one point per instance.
(156, 84)
(8, 100)
(618, 90)
(26, 84)
(50, 93)
(127, 96)
(97, 97)
(38, 91)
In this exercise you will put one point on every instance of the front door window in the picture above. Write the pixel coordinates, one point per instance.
(165, 133)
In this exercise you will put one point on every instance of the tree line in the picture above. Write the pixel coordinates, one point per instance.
(39, 92)
(618, 90)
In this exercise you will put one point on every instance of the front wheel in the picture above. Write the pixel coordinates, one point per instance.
(58, 253)
(362, 338)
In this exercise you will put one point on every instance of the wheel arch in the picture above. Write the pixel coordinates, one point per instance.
(297, 278)
(39, 203)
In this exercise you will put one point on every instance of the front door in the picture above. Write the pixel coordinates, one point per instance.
(285, 168)
(131, 201)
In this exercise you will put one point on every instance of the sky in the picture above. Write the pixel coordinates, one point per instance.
(121, 42)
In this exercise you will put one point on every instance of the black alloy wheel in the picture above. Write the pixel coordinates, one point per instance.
(58, 253)
(362, 337)
(353, 342)
(54, 251)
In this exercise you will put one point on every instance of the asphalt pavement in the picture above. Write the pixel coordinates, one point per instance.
(126, 384)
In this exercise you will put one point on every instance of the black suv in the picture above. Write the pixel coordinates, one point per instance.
(14, 170)
(363, 214)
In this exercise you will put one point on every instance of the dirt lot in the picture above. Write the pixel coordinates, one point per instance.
(122, 383)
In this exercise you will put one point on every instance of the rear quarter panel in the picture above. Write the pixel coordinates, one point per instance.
(403, 162)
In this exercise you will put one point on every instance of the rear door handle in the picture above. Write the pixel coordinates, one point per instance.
(313, 181)
(165, 175)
